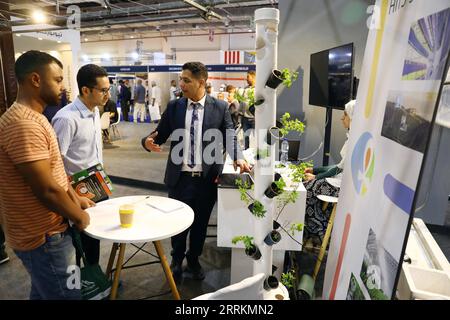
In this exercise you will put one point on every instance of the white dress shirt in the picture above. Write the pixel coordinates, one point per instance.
(198, 136)
(79, 136)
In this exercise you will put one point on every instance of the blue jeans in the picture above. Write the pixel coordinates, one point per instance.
(47, 266)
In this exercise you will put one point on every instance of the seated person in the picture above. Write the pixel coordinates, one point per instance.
(111, 107)
(316, 220)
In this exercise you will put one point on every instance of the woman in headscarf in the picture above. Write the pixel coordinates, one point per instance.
(316, 220)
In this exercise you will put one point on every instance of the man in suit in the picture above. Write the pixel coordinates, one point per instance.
(191, 177)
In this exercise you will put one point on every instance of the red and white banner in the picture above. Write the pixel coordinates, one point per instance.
(232, 57)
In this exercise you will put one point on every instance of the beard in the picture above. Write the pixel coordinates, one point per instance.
(51, 99)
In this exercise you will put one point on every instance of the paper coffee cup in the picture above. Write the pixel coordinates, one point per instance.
(126, 212)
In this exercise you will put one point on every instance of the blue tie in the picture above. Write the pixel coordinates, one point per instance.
(194, 106)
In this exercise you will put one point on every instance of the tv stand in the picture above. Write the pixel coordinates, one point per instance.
(327, 138)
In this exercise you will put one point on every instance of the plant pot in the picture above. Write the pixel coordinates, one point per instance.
(253, 252)
(251, 109)
(272, 191)
(272, 238)
(271, 282)
(259, 102)
(276, 176)
(306, 288)
(275, 79)
(251, 207)
(273, 135)
(276, 225)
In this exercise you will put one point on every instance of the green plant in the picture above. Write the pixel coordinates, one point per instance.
(280, 165)
(280, 184)
(298, 170)
(288, 77)
(296, 227)
(243, 187)
(291, 125)
(258, 209)
(248, 96)
(287, 279)
(248, 241)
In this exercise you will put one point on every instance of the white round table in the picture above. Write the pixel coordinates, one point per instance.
(149, 224)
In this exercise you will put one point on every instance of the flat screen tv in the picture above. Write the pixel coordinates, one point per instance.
(331, 77)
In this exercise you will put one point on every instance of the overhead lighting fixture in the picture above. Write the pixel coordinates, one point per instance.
(207, 12)
(59, 41)
(39, 38)
(135, 55)
(18, 34)
(132, 37)
(39, 16)
(86, 39)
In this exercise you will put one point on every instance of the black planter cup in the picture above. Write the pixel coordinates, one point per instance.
(272, 191)
(251, 109)
(273, 135)
(276, 176)
(275, 79)
(276, 225)
(271, 282)
(272, 238)
(259, 102)
(253, 252)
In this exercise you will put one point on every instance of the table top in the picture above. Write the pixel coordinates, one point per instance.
(149, 223)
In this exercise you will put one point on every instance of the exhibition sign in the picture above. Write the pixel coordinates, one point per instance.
(401, 79)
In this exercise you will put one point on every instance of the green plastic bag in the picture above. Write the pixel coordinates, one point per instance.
(95, 285)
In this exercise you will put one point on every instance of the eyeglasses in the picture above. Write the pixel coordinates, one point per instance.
(104, 91)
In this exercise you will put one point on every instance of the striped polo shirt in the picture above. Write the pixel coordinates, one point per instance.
(27, 136)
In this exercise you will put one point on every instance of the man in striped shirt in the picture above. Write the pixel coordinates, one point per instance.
(36, 201)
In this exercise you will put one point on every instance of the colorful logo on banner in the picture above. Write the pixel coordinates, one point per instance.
(363, 163)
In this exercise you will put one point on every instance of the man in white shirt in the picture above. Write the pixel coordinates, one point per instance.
(78, 130)
(155, 102)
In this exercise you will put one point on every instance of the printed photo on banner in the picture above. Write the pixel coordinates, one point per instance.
(428, 45)
(407, 118)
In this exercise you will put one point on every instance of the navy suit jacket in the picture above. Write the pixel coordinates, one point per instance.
(216, 116)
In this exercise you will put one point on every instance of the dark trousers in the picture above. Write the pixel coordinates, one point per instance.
(91, 248)
(125, 109)
(200, 195)
(2, 239)
(247, 124)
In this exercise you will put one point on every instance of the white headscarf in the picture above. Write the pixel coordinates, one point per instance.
(349, 107)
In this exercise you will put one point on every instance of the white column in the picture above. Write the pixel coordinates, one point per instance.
(266, 20)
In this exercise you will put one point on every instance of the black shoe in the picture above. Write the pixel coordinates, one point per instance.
(177, 271)
(3, 257)
(195, 270)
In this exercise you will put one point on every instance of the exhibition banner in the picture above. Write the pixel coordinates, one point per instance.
(404, 63)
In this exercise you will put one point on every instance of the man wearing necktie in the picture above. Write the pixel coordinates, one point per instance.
(190, 174)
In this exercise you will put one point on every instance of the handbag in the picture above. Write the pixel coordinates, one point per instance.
(154, 112)
(95, 285)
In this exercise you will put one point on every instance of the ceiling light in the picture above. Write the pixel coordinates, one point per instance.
(250, 30)
(131, 37)
(85, 58)
(135, 55)
(39, 16)
(86, 39)
(106, 56)
(59, 41)
(18, 34)
(39, 38)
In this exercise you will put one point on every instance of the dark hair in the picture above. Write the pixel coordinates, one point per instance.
(33, 61)
(198, 69)
(251, 72)
(88, 74)
(230, 88)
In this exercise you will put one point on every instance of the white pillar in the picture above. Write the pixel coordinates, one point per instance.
(266, 20)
